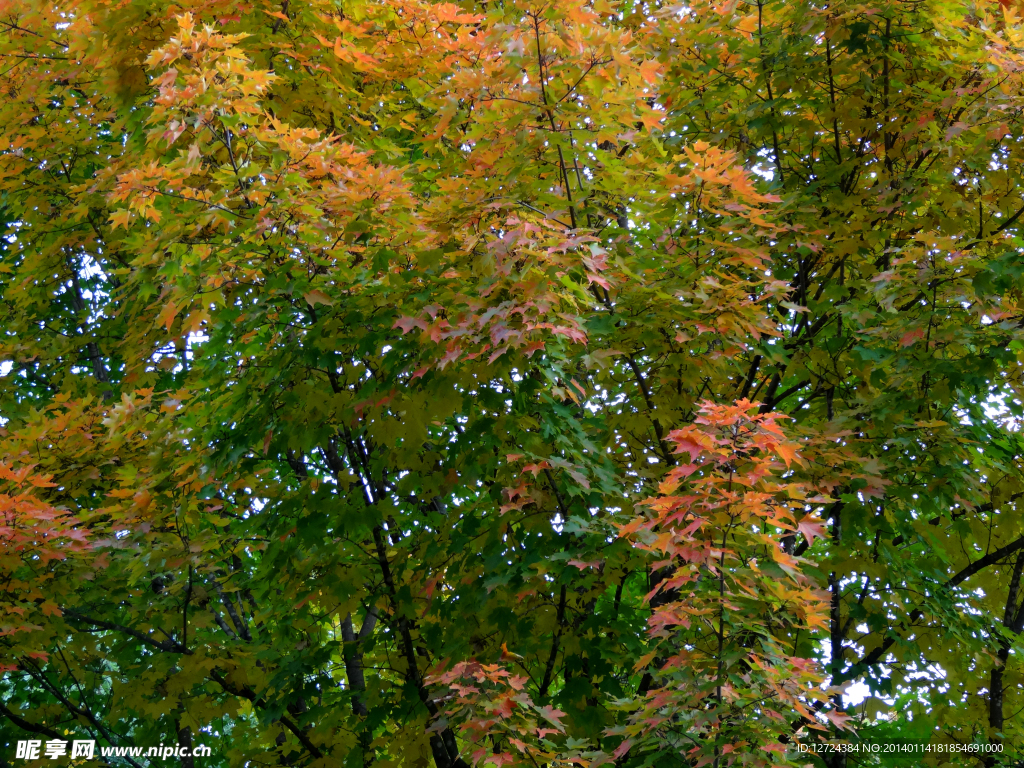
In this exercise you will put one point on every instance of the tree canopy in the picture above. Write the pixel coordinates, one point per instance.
(593, 382)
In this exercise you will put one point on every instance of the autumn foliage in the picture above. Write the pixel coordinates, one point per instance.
(569, 383)
(733, 599)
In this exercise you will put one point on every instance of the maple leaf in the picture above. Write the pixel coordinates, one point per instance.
(839, 719)
(532, 347)
(651, 119)
(503, 707)
(120, 218)
(167, 314)
(584, 564)
(685, 444)
(579, 478)
(316, 296)
(788, 453)
(623, 748)
(513, 493)
(406, 324)
(910, 337)
(748, 25)
(644, 660)
(649, 71)
(811, 528)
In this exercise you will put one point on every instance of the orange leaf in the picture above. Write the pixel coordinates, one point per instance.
(788, 454)
(316, 296)
(167, 314)
(649, 71)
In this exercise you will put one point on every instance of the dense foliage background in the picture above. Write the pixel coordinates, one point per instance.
(394, 382)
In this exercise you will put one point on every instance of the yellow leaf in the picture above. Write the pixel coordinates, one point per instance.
(120, 218)
(747, 24)
(316, 296)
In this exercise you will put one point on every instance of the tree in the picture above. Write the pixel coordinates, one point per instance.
(405, 381)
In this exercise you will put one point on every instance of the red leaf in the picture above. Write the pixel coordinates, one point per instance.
(505, 707)
(839, 719)
(622, 749)
(811, 528)
(685, 445)
(408, 323)
(911, 336)
(533, 346)
(552, 715)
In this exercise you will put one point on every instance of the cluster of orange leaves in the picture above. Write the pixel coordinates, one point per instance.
(735, 590)
(32, 533)
(499, 715)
